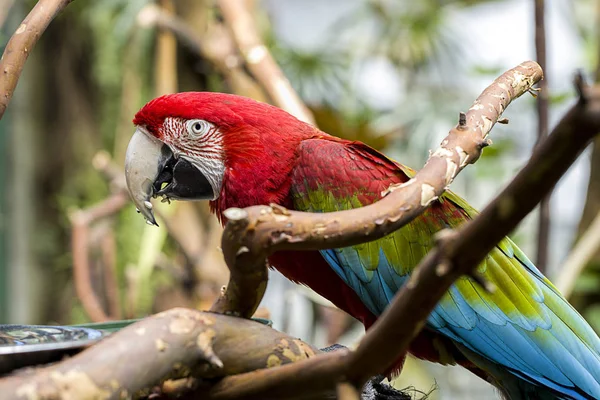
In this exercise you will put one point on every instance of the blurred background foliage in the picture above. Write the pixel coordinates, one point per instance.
(392, 74)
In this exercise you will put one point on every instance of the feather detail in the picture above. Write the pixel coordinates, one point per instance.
(525, 334)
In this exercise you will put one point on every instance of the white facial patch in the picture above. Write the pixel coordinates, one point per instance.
(200, 143)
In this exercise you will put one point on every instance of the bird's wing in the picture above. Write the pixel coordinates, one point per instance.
(525, 325)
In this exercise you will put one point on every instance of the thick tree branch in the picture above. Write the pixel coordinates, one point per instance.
(256, 232)
(175, 344)
(22, 43)
(260, 61)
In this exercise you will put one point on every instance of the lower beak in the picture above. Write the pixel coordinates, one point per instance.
(151, 170)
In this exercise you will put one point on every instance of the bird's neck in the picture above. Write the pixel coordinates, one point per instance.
(261, 174)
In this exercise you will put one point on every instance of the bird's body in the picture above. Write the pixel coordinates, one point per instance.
(525, 337)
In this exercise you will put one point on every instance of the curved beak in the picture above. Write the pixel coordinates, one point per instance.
(151, 170)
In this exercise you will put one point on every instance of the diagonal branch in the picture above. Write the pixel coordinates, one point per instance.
(459, 252)
(256, 232)
(21, 43)
(260, 61)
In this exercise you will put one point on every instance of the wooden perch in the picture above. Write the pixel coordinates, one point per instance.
(22, 43)
(254, 233)
(175, 344)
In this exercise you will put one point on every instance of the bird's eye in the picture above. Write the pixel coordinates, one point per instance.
(198, 127)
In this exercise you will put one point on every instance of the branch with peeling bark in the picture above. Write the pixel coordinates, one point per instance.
(21, 43)
(176, 344)
(256, 232)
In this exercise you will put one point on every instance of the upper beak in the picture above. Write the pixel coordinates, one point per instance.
(143, 161)
(151, 169)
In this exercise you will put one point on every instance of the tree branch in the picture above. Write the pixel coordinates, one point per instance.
(254, 233)
(217, 47)
(175, 344)
(457, 253)
(21, 43)
(260, 61)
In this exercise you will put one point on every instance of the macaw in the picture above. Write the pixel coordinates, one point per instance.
(524, 338)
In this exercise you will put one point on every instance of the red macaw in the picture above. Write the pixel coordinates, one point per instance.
(525, 338)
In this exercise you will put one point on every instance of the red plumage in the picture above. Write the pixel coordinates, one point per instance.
(260, 154)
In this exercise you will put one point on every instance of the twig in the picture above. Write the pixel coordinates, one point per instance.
(22, 43)
(175, 344)
(256, 232)
(81, 220)
(579, 257)
(542, 109)
(260, 61)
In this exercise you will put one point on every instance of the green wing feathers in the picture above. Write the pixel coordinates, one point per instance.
(524, 328)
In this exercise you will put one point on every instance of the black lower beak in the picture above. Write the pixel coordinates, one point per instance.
(179, 179)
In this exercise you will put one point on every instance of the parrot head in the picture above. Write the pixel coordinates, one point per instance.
(205, 146)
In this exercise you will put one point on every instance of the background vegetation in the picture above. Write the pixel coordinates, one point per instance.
(389, 73)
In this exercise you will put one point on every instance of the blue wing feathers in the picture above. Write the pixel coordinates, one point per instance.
(525, 335)
(541, 349)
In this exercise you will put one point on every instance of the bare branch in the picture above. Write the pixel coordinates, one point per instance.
(256, 232)
(217, 47)
(175, 344)
(22, 43)
(260, 61)
(81, 220)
